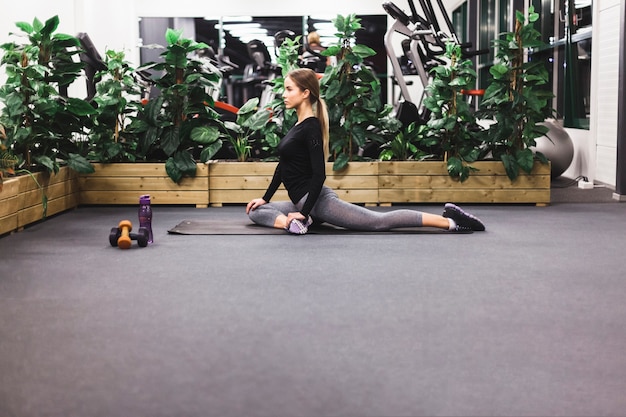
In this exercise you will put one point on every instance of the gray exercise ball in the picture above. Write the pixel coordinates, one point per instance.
(557, 146)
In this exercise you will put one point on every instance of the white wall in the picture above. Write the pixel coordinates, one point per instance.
(604, 76)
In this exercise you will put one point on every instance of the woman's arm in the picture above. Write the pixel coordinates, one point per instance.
(274, 184)
(318, 167)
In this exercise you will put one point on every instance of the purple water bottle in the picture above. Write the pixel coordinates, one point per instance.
(145, 215)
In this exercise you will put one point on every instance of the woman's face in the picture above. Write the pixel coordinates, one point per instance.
(293, 95)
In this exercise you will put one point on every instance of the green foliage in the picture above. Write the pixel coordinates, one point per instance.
(518, 98)
(281, 119)
(8, 161)
(41, 125)
(182, 119)
(352, 93)
(250, 120)
(117, 97)
(452, 123)
(406, 144)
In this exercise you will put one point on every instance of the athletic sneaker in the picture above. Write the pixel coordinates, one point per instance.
(462, 218)
(461, 229)
(297, 227)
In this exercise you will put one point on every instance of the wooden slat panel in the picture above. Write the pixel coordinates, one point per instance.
(262, 182)
(354, 168)
(34, 213)
(367, 182)
(45, 179)
(135, 169)
(474, 181)
(244, 196)
(8, 223)
(221, 168)
(439, 168)
(241, 168)
(156, 197)
(53, 191)
(25, 205)
(10, 197)
(10, 205)
(140, 184)
(10, 188)
(239, 183)
(464, 196)
(123, 184)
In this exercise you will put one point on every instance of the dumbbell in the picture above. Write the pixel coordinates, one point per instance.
(122, 237)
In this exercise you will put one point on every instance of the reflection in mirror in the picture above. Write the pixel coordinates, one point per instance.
(244, 47)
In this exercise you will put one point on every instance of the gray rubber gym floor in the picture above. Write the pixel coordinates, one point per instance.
(525, 319)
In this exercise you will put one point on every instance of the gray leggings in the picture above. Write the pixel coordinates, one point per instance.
(330, 209)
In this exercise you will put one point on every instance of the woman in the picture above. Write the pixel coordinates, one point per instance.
(301, 168)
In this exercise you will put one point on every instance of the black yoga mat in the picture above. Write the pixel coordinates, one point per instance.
(222, 227)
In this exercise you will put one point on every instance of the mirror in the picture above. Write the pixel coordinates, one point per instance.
(242, 44)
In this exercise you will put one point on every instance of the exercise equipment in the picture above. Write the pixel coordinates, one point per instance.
(122, 237)
(557, 146)
(423, 48)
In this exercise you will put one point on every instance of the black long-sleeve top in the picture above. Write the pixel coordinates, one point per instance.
(301, 166)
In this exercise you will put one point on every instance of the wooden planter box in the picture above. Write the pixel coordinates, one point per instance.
(369, 183)
(21, 199)
(429, 182)
(240, 182)
(123, 183)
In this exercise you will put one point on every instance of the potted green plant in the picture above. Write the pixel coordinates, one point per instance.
(41, 123)
(406, 145)
(353, 95)
(517, 98)
(452, 126)
(180, 124)
(250, 120)
(117, 97)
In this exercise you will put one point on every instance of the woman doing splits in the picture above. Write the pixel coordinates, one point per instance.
(301, 169)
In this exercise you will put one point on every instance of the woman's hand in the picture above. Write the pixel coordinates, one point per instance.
(295, 215)
(257, 202)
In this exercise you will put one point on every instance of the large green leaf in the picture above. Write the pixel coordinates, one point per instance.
(510, 166)
(205, 134)
(47, 162)
(80, 107)
(51, 25)
(249, 106)
(525, 159)
(258, 120)
(180, 165)
(363, 51)
(25, 27)
(341, 162)
(208, 152)
(153, 110)
(498, 71)
(149, 139)
(79, 163)
(170, 139)
(172, 36)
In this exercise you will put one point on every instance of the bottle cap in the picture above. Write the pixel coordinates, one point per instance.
(144, 199)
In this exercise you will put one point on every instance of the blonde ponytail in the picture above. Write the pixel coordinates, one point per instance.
(322, 115)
